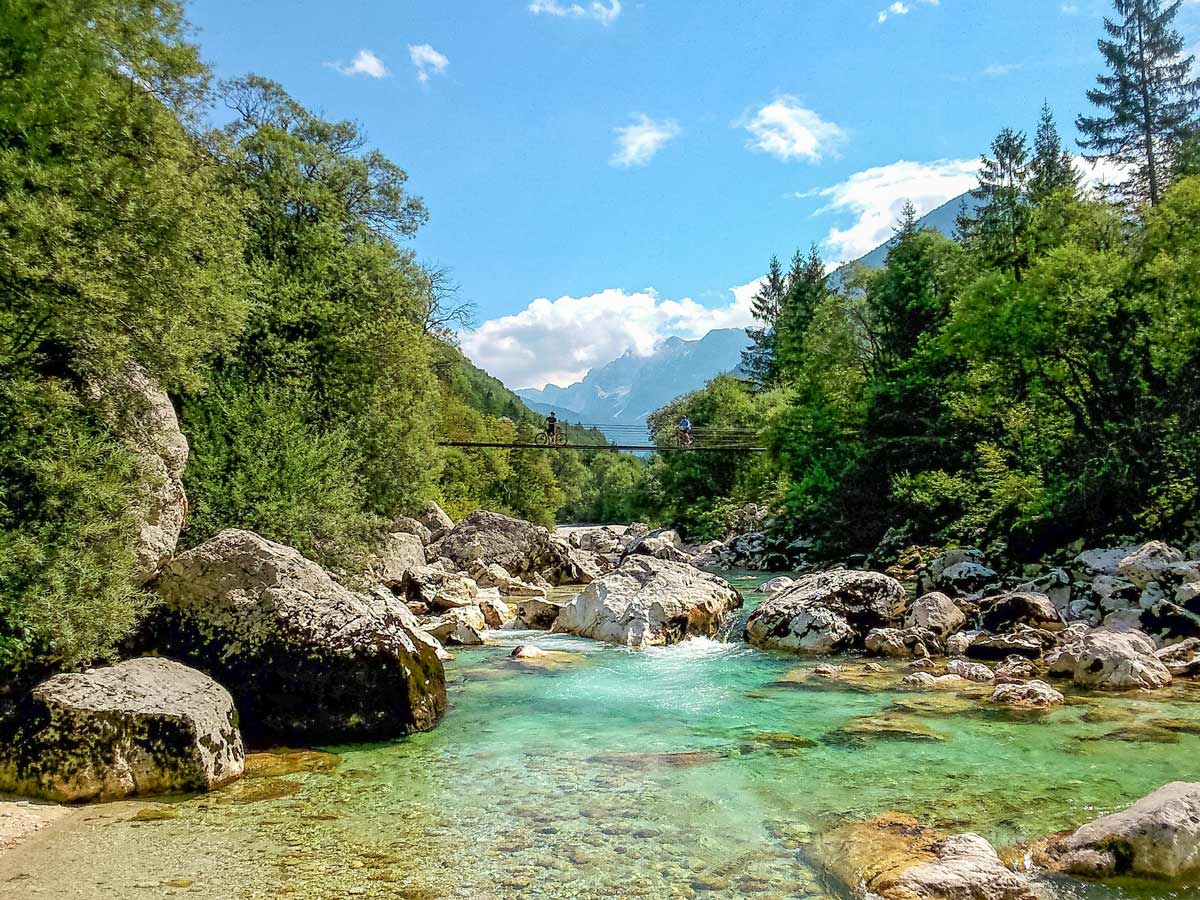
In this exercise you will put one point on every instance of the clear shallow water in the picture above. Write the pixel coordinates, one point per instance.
(700, 770)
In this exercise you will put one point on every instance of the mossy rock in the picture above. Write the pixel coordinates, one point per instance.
(888, 726)
(1181, 726)
(782, 740)
(276, 763)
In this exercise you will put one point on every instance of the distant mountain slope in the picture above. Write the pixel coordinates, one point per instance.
(941, 219)
(628, 389)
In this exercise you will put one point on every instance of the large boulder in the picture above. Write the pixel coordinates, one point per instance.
(400, 553)
(1006, 612)
(145, 726)
(1158, 837)
(521, 548)
(1103, 560)
(435, 588)
(937, 613)
(1182, 659)
(648, 601)
(661, 545)
(140, 412)
(1111, 661)
(894, 857)
(958, 573)
(304, 657)
(435, 519)
(409, 525)
(494, 575)
(826, 612)
(1150, 562)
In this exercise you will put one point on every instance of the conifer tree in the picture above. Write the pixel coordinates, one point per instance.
(1003, 191)
(758, 360)
(807, 287)
(1148, 95)
(1052, 168)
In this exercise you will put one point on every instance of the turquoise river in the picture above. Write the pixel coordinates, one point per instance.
(701, 770)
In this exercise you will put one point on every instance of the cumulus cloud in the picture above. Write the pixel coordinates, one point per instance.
(875, 197)
(902, 9)
(638, 142)
(787, 130)
(427, 61)
(365, 63)
(558, 341)
(604, 13)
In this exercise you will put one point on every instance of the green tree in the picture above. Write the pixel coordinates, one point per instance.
(1052, 169)
(1002, 219)
(806, 290)
(1148, 95)
(758, 360)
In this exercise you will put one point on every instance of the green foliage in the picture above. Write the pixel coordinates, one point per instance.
(67, 534)
(256, 462)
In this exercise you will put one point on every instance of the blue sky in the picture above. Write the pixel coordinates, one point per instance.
(604, 173)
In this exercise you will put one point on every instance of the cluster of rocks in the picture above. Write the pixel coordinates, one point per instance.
(762, 552)
(1012, 635)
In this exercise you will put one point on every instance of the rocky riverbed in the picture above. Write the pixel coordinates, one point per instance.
(622, 723)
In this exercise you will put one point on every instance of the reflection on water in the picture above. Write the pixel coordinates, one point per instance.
(700, 770)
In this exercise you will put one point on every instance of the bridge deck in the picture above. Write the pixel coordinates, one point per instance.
(651, 448)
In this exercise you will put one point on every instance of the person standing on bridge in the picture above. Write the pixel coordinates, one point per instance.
(551, 424)
(685, 431)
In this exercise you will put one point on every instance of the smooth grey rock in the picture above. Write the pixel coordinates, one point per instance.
(1005, 612)
(1157, 837)
(937, 613)
(971, 671)
(400, 553)
(775, 585)
(648, 601)
(1111, 661)
(304, 657)
(1103, 561)
(1149, 562)
(144, 726)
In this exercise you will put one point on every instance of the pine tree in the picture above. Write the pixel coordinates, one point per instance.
(758, 360)
(1003, 191)
(1148, 92)
(1052, 168)
(807, 287)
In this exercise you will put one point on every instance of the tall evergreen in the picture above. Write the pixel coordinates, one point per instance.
(758, 360)
(807, 287)
(1052, 168)
(1148, 94)
(1003, 191)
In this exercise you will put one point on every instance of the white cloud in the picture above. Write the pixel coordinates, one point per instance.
(875, 197)
(999, 70)
(638, 143)
(365, 63)
(902, 9)
(787, 130)
(604, 13)
(558, 341)
(427, 61)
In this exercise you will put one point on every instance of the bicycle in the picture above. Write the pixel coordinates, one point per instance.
(547, 439)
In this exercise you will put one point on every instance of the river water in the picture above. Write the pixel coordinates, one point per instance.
(699, 770)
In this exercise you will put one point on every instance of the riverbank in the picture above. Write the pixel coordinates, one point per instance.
(699, 770)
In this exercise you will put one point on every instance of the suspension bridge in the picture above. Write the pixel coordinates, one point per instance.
(634, 438)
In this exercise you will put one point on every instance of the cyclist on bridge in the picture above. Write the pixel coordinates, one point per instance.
(685, 430)
(551, 424)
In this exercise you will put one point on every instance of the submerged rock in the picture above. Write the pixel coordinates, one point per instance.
(894, 857)
(1111, 661)
(1159, 837)
(886, 726)
(826, 612)
(144, 726)
(648, 601)
(304, 657)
